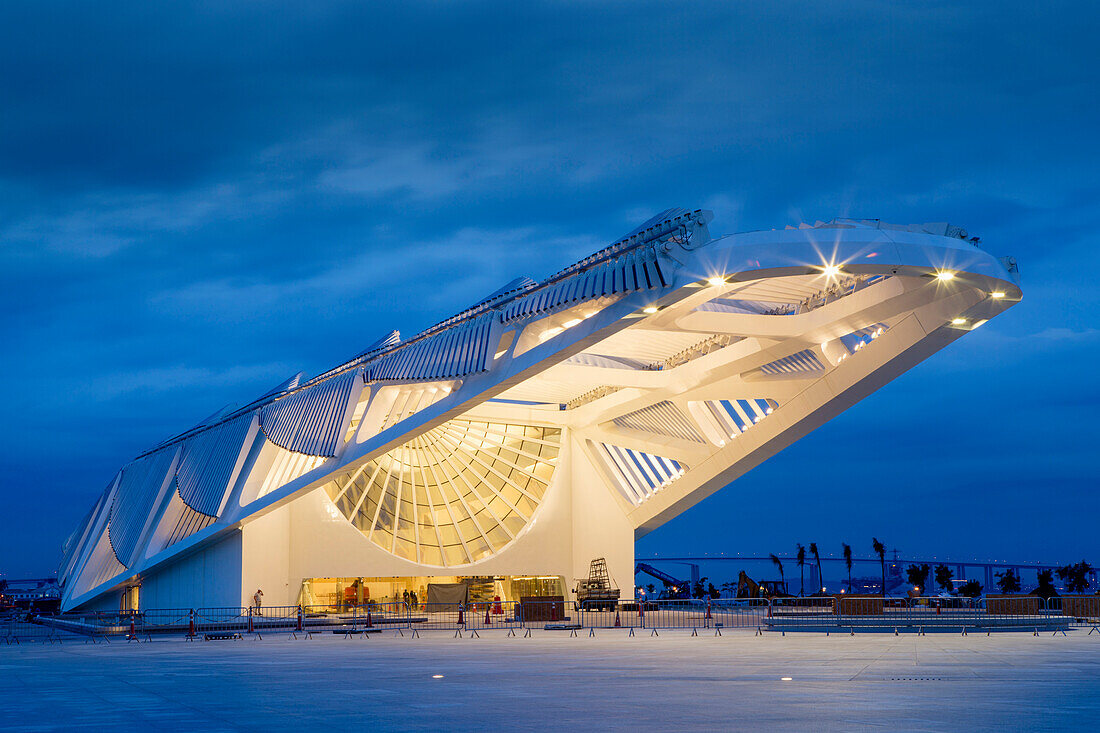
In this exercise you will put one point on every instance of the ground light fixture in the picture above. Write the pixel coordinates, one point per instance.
(437, 676)
(785, 679)
(716, 281)
(649, 309)
(958, 321)
(997, 294)
(830, 270)
(945, 275)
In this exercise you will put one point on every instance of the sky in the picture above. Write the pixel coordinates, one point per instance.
(199, 199)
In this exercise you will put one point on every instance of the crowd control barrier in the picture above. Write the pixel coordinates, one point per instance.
(816, 613)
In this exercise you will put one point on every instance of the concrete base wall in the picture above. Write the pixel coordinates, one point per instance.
(265, 559)
(109, 602)
(207, 579)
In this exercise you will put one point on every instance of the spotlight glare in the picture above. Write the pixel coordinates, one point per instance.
(945, 275)
(716, 281)
(831, 270)
(649, 309)
(958, 321)
(997, 294)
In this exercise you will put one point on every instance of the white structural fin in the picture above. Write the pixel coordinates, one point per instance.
(311, 420)
(519, 284)
(135, 499)
(284, 386)
(453, 352)
(661, 418)
(391, 339)
(638, 475)
(207, 463)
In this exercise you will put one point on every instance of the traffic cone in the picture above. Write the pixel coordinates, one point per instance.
(461, 616)
(708, 608)
(133, 634)
(368, 618)
(487, 607)
(191, 624)
(618, 623)
(299, 617)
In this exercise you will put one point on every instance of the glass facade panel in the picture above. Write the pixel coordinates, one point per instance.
(454, 486)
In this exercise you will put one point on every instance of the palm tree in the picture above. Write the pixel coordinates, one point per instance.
(800, 558)
(880, 550)
(848, 562)
(817, 559)
(779, 564)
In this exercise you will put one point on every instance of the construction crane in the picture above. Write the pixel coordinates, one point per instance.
(674, 587)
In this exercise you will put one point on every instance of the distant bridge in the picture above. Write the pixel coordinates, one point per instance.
(987, 570)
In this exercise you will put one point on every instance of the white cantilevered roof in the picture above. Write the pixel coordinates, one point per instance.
(686, 343)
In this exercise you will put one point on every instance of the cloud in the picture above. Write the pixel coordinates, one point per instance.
(1068, 334)
(98, 225)
(198, 199)
(477, 260)
(107, 386)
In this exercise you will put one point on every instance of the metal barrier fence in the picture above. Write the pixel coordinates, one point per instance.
(820, 613)
(921, 614)
(18, 628)
(675, 614)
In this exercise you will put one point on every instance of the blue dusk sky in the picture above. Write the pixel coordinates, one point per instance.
(199, 199)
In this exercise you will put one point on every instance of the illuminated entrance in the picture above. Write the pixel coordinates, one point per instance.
(423, 591)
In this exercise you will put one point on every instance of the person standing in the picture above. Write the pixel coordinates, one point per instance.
(405, 597)
(257, 601)
(412, 599)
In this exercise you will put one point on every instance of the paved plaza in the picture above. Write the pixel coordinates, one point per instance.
(676, 681)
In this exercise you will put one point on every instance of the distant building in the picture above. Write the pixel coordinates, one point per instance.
(33, 592)
(546, 425)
